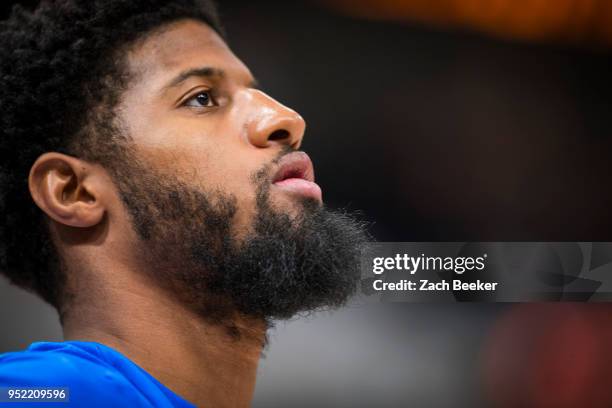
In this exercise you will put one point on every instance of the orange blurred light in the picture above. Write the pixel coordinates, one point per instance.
(577, 21)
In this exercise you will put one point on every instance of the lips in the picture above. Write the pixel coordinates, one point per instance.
(295, 175)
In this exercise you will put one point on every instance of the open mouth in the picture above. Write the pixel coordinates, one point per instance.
(295, 175)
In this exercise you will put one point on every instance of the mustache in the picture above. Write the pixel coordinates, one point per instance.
(264, 175)
(285, 150)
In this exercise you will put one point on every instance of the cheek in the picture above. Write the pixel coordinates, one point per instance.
(230, 171)
(207, 153)
(227, 168)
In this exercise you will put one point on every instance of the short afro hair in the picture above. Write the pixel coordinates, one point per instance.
(61, 67)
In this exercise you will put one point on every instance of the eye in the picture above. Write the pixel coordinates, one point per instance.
(202, 99)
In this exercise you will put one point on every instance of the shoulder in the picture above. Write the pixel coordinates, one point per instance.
(91, 380)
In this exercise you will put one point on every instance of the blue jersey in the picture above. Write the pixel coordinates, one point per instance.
(94, 375)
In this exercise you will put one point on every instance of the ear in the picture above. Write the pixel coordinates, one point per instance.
(67, 189)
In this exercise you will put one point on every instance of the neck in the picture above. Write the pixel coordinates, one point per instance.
(205, 363)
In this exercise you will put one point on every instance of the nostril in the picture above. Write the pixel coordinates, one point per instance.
(280, 134)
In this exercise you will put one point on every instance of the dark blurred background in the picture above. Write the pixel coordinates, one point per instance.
(438, 120)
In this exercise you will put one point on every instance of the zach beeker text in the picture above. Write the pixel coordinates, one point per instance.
(427, 285)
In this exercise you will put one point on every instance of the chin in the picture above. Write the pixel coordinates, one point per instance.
(295, 204)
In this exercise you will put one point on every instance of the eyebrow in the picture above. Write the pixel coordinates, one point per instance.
(206, 72)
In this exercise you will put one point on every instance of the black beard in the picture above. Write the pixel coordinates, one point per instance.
(286, 265)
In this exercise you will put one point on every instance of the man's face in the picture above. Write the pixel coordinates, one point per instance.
(227, 213)
(193, 109)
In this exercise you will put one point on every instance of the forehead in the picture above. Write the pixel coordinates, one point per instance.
(180, 46)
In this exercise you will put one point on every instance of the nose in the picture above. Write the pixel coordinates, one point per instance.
(273, 123)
